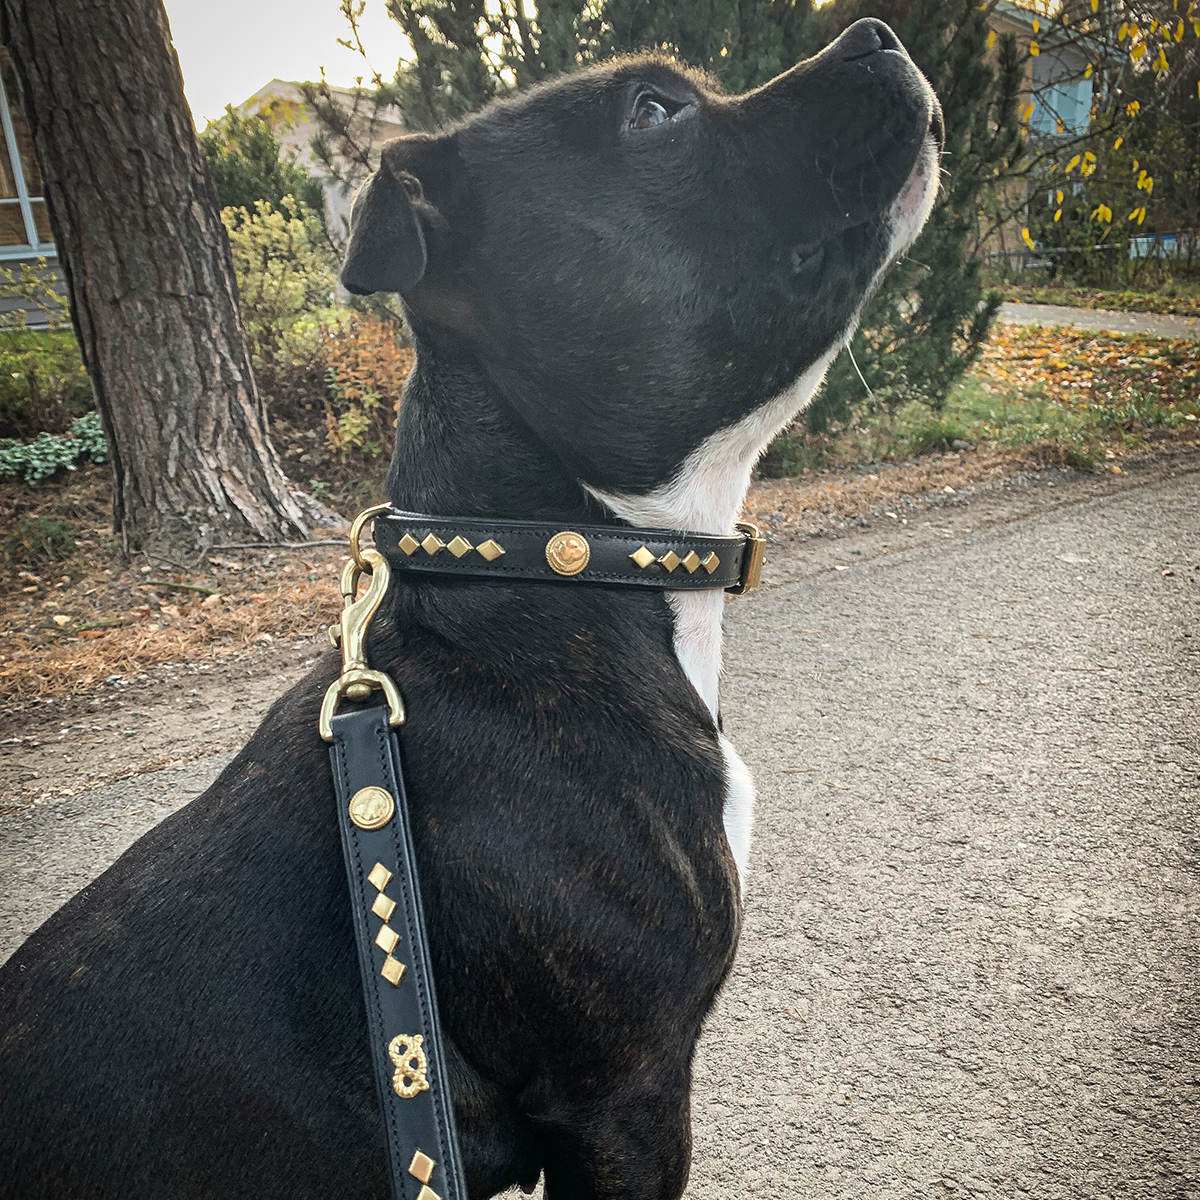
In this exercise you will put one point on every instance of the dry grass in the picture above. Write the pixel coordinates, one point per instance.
(68, 625)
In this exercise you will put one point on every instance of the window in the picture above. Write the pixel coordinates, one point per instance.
(24, 223)
(1062, 98)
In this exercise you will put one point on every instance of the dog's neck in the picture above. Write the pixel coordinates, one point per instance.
(461, 450)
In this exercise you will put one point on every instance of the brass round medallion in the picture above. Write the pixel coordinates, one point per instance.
(371, 807)
(568, 552)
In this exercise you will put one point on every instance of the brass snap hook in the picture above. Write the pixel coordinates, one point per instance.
(357, 681)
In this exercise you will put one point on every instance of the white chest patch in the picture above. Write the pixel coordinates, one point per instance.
(706, 496)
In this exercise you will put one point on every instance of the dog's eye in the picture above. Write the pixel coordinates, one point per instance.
(647, 111)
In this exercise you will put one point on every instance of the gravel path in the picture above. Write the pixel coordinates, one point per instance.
(969, 958)
(1158, 324)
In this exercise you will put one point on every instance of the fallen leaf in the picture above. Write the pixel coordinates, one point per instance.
(61, 620)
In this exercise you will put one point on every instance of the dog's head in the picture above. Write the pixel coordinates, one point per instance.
(637, 260)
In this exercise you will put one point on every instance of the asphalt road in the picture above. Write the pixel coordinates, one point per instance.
(1158, 324)
(969, 958)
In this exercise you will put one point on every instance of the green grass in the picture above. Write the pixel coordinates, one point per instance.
(980, 415)
(1180, 297)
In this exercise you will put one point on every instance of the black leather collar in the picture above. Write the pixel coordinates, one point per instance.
(418, 543)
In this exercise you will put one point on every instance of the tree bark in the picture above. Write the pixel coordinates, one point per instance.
(150, 275)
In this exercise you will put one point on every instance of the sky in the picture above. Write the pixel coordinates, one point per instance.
(229, 48)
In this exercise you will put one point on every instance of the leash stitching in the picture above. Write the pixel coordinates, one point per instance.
(364, 940)
(419, 969)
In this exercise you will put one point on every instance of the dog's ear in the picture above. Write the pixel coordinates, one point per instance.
(387, 247)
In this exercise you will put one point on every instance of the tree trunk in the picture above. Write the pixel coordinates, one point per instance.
(150, 275)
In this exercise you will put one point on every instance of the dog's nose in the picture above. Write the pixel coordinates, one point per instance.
(866, 37)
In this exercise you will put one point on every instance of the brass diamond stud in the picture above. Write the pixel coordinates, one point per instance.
(380, 876)
(421, 1167)
(642, 557)
(387, 939)
(384, 906)
(408, 543)
(459, 546)
(432, 544)
(710, 562)
(392, 970)
(691, 560)
(670, 560)
(427, 1193)
(490, 550)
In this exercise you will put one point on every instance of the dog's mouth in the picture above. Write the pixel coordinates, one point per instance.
(905, 216)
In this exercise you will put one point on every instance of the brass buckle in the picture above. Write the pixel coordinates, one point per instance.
(357, 681)
(753, 557)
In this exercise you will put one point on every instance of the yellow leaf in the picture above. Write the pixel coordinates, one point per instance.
(1087, 73)
(1088, 157)
(1095, 5)
(1141, 214)
(1027, 111)
(1058, 196)
(1133, 107)
(1138, 52)
(1035, 25)
(1122, 31)
(1072, 164)
(1179, 31)
(1029, 241)
(1117, 143)
(1153, 26)
(1033, 49)
(1058, 214)
(992, 36)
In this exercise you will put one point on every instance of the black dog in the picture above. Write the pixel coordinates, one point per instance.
(620, 285)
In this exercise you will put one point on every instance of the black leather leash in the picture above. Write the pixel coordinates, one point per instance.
(393, 958)
(407, 1047)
